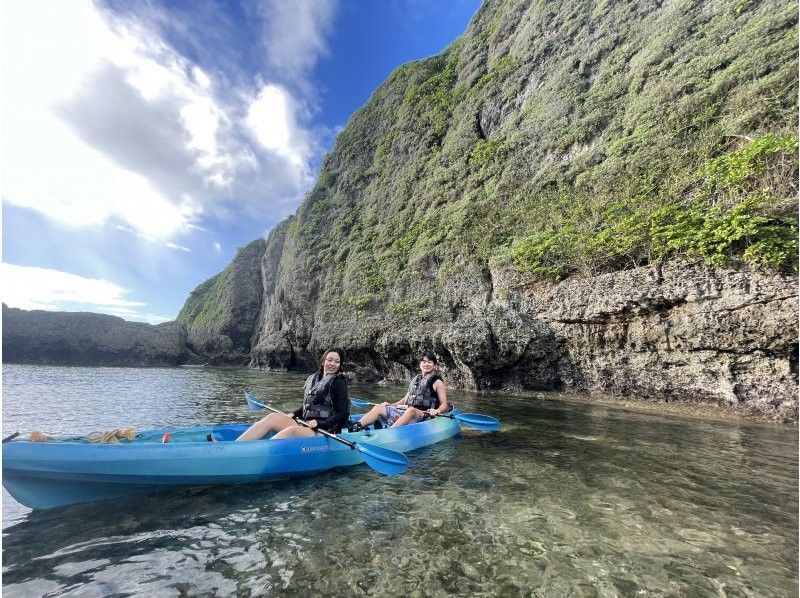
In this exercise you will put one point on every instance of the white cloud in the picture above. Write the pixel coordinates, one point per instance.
(154, 240)
(41, 288)
(48, 50)
(201, 78)
(217, 246)
(271, 117)
(102, 119)
(295, 35)
(156, 319)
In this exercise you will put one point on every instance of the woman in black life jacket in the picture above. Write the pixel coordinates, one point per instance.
(427, 395)
(326, 405)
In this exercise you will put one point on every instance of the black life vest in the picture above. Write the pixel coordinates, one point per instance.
(317, 399)
(421, 393)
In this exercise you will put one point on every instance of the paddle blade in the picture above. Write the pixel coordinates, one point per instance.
(478, 421)
(383, 460)
(360, 403)
(253, 403)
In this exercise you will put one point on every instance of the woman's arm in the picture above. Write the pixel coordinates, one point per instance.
(441, 392)
(403, 401)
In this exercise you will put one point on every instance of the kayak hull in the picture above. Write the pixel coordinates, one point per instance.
(43, 475)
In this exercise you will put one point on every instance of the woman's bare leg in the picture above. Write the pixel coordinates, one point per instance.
(410, 415)
(373, 415)
(293, 432)
(274, 422)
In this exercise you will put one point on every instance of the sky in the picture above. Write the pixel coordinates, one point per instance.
(144, 142)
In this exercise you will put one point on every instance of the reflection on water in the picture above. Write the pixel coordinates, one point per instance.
(568, 499)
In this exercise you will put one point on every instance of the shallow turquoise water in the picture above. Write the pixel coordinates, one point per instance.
(568, 499)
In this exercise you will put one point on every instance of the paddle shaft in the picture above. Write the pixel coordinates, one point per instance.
(352, 445)
(478, 421)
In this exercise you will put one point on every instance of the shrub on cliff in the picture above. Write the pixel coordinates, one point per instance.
(736, 207)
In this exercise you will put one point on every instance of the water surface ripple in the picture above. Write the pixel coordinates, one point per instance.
(568, 499)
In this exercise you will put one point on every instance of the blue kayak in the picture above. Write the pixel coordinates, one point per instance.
(65, 471)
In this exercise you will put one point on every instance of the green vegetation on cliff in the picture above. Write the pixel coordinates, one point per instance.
(227, 301)
(566, 139)
(206, 306)
(558, 140)
(735, 207)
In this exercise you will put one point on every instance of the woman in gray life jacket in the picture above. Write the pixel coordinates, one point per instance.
(426, 396)
(326, 405)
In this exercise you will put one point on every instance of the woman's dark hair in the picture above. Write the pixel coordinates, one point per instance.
(429, 357)
(325, 354)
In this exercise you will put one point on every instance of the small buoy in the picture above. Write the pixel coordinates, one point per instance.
(167, 437)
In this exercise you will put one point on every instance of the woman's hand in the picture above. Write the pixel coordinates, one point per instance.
(432, 412)
(312, 424)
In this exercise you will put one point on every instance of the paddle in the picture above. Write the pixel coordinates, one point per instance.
(478, 421)
(379, 458)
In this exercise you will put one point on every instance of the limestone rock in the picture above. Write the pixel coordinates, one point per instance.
(64, 338)
(220, 314)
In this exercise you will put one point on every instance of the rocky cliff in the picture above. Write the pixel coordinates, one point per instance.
(678, 332)
(572, 196)
(221, 315)
(61, 338)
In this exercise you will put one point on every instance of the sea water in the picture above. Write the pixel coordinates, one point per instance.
(568, 499)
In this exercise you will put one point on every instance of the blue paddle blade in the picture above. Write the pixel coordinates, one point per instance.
(253, 403)
(478, 421)
(360, 403)
(383, 460)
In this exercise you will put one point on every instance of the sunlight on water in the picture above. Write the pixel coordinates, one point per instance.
(568, 499)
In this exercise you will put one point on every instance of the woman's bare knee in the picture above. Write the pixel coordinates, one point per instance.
(410, 415)
(292, 432)
(273, 422)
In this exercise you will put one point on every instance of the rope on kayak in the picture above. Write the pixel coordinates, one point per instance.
(109, 437)
(112, 436)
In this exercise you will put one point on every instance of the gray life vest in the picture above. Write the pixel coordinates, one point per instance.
(317, 399)
(421, 393)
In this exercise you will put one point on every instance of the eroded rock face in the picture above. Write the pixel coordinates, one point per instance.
(62, 338)
(221, 314)
(284, 325)
(675, 333)
(672, 332)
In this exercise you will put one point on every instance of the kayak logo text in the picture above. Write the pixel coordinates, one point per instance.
(308, 449)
